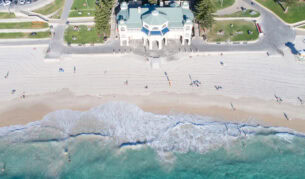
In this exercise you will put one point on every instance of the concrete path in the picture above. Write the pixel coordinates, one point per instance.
(23, 19)
(273, 40)
(56, 43)
(231, 9)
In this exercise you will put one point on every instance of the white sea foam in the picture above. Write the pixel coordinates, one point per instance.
(126, 124)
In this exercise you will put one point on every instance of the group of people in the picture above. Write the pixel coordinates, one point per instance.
(60, 69)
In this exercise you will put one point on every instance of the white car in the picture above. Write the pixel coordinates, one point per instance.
(21, 2)
(6, 2)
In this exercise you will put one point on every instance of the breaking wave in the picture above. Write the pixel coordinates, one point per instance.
(127, 125)
(101, 142)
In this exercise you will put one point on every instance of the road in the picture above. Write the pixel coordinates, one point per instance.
(276, 34)
(56, 43)
(34, 5)
(272, 41)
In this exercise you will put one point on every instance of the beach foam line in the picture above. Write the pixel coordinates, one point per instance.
(128, 125)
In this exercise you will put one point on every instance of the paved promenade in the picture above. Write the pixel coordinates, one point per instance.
(272, 41)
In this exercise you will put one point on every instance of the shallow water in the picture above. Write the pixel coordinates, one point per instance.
(119, 140)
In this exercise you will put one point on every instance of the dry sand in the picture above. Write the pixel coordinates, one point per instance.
(249, 82)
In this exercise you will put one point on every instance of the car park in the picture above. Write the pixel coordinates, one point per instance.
(6, 3)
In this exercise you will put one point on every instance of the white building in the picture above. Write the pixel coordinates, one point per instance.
(155, 23)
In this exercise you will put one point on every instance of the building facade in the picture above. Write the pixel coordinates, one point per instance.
(151, 23)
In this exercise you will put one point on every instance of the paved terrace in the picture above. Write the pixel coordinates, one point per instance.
(276, 34)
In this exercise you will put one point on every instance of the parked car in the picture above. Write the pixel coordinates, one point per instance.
(21, 2)
(28, 1)
(6, 3)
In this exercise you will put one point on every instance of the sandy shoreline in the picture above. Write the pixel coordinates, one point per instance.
(249, 82)
(33, 108)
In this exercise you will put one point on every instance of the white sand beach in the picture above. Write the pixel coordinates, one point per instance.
(249, 84)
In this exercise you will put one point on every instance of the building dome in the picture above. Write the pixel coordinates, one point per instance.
(124, 6)
(154, 18)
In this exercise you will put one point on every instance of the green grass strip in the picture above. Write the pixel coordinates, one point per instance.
(295, 13)
(221, 4)
(21, 35)
(82, 35)
(24, 25)
(5, 15)
(51, 8)
(237, 32)
(84, 13)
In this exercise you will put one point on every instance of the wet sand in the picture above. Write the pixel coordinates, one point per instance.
(249, 110)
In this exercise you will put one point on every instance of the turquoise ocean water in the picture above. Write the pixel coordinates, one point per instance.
(119, 140)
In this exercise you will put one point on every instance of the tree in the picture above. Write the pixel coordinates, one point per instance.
(152, 1)
(204, 10)
(289, 3)
(102, 16)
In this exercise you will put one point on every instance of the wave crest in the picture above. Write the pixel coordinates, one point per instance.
(126, 124)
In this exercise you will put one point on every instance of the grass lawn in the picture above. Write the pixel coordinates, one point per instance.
(82, 8)
(51, 8)
(6, 15)
(16, 35)
(57, 15)
(295, 13)
(225, 3)
(24, 25)
(82, 13)
(241, 14)
(303, 27)
(83, 35)
(238, 32)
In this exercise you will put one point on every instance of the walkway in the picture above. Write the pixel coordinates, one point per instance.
(231, 9)
(272, 41)
(56, 43)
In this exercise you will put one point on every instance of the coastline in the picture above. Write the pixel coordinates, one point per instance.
(250, 83)
(247, 110)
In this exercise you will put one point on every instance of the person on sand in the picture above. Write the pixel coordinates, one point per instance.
(233, 108)
(300, 99)
(286, 116)
(6, 76)
(74, 69)
(23, 95)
